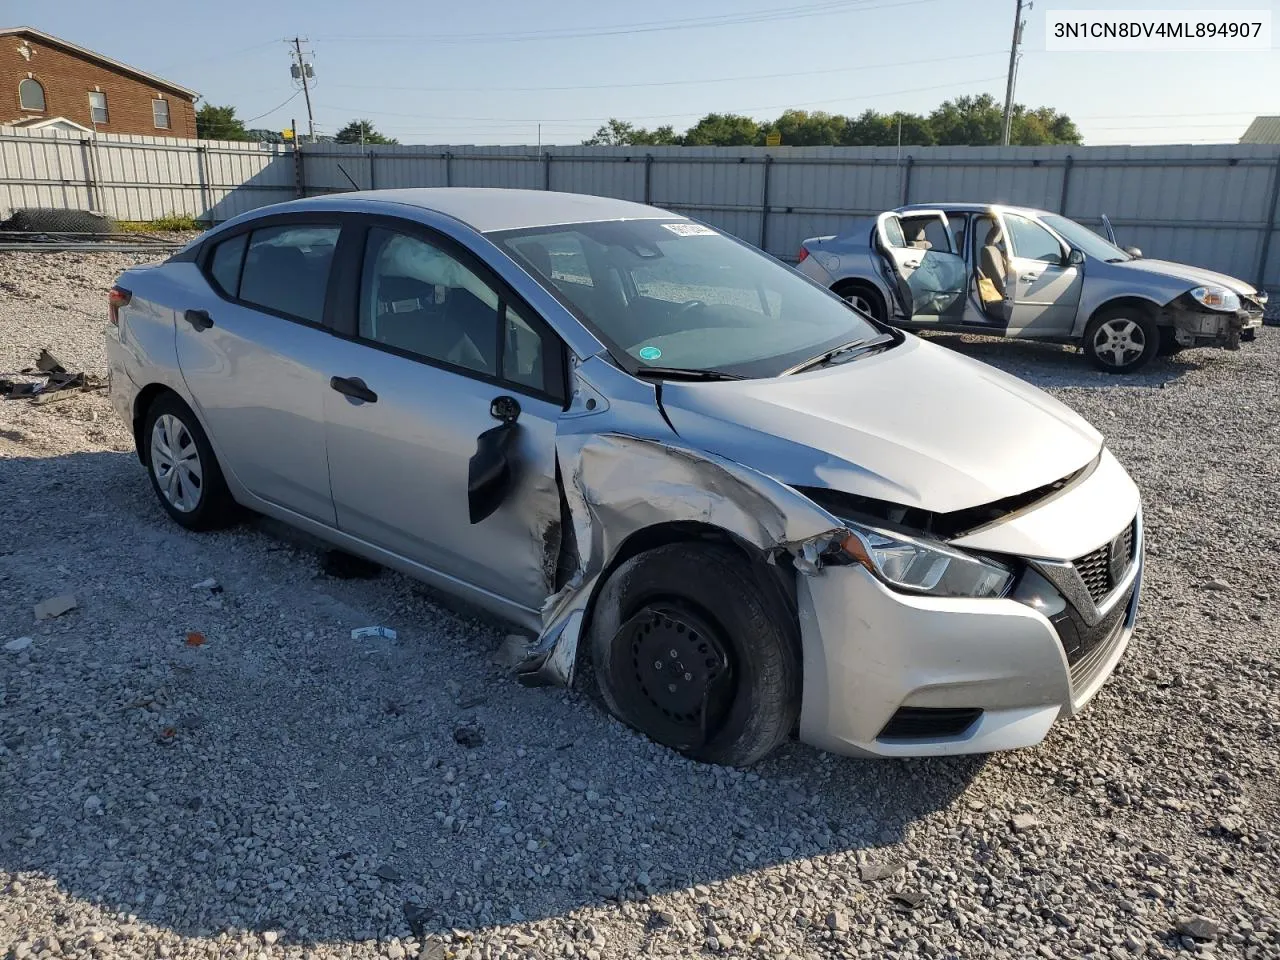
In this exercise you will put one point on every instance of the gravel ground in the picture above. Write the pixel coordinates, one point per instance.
(280, 790)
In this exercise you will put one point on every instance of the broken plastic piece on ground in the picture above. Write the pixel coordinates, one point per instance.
(195, 639)
(361, 633)
(49, 363)
(209, 584)
(55, 606)
(18, 645)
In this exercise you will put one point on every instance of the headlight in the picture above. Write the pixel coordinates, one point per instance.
(924, 566)
(1217, 298)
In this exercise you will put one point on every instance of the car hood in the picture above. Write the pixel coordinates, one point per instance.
(1182, 271)
(917, 425)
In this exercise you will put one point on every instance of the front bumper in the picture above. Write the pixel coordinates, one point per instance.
(1202, 328)
(890, 674)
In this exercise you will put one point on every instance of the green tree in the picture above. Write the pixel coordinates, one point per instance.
(1041, 125)
(664, 136)
(361, 131)
(620, 133)
(799, 128)
(979, 121)
(724, 130)
(219, 123)
(873, 129)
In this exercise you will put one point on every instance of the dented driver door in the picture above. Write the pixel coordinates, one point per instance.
(440, 357)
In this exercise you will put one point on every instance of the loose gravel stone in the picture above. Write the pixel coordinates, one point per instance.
(1160, 801)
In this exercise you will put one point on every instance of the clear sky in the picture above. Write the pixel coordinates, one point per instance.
(488, 71)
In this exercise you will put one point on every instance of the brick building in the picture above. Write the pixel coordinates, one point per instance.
(43, 78)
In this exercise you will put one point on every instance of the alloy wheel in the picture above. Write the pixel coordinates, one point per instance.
(859, 303)
(175, 460)
(1119, 341)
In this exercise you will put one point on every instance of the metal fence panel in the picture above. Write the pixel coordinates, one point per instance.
(1214, 206)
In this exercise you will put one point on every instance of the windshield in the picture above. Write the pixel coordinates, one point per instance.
(680, 295)
(1082, 238)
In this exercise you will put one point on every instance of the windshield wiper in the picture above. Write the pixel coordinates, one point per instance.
(683, 373)
(851, 347)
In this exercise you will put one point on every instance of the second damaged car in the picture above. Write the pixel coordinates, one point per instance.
(752, 510)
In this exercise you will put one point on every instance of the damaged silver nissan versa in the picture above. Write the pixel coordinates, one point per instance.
(751, 510)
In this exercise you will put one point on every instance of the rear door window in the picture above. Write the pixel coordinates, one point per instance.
(224, 265)
(286, 269)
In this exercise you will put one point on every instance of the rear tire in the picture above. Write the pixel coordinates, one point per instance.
(1121, 339)
(691, 649)
(862, 298)
(183, 469)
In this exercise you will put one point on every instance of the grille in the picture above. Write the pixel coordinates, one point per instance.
(1098, 571)
(1080, 642)
(929, 723)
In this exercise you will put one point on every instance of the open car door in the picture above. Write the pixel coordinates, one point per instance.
(930, 277)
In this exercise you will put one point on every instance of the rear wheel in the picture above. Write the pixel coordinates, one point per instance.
(1121, 339)
(691, 649)
(183, 469)
(863, 299)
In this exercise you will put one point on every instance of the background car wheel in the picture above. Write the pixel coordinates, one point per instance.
(184, 472)
(1248, 336)
(862, 298)
(1121, 339)
(690, 648)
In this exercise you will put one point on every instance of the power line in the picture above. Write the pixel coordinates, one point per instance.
(671, 83)
(293, 96)
(662, 116)
(694, 23)
(303, 71)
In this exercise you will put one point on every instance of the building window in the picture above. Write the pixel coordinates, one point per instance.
(97, 106)
(160, 113)
(31, 95)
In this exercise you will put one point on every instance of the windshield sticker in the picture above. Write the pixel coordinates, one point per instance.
(690, 230)
(650, 353)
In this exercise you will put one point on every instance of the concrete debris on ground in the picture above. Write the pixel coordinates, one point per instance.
(239, 800)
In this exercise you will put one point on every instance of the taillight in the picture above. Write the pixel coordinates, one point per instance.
(117, 297)
(804, 252)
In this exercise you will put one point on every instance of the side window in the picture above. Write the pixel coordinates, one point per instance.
(522, 354)
(224, 265)
(926, 233)
(893, 232)
(287, 269)
(1032, 241)
(418, 298)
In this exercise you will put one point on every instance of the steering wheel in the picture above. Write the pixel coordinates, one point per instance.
(690, 305)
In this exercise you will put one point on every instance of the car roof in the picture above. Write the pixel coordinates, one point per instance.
(970, 207)
(488, 209)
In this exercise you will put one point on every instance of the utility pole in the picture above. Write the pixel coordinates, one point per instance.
(1018, 24)
(303, 71)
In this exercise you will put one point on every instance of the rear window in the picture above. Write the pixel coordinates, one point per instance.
(286, 269)
(224, 265)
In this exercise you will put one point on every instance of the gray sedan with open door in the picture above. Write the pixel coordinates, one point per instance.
(1020, 272)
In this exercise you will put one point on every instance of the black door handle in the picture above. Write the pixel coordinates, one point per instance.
(353, 387)
(199, 319)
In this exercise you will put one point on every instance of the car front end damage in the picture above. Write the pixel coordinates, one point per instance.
(1214, 317)
(888, 669)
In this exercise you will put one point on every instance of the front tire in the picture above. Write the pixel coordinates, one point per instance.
(693, 650)
(183, 469)
(1121, 339)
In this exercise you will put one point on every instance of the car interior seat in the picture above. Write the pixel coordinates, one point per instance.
(992, 264)
(920, 241)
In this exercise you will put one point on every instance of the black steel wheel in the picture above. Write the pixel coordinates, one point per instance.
(691, 648)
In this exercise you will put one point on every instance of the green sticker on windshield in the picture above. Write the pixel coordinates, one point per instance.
(650, 353)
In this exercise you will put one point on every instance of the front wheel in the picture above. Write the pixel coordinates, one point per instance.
(693, 650)
(1121, 339)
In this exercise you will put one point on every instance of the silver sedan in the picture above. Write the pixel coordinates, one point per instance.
(655, 449)
(1018, 272)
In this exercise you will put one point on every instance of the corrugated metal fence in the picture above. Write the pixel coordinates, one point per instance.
(1214, 206)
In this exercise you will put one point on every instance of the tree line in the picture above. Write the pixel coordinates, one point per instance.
(221, 123)
(964, 121)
